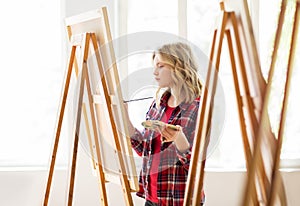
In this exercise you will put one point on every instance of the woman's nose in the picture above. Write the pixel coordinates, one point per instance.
(155, 72)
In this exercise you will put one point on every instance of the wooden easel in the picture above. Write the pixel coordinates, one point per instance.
(248, 110)
(83, 41)
(275, 179)
(276, 176)
(83, 80)
(97, 22)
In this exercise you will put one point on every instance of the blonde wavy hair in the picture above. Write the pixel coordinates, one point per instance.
(187, 85)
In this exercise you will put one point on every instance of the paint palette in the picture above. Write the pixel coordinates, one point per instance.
(156, 124)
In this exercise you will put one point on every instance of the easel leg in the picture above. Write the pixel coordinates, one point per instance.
(85, 79)
(59, 125)
(277, 182)
(195, 169)
(245, 138)
(85, 46)
(76, 138)
(103, 194)
(106, 85)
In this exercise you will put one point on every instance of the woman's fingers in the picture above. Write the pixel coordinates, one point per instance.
(169, 133)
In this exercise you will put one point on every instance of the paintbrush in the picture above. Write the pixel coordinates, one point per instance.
(139, 99)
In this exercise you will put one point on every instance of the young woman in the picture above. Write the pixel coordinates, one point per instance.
(166, 151)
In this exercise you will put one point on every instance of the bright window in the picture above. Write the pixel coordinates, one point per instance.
(30, 81)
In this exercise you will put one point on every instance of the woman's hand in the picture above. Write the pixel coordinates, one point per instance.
(169, 134)
(177, 136)
(127, 120)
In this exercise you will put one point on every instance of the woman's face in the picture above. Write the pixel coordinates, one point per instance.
(162, 71)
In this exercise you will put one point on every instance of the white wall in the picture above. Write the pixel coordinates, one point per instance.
(27, 188)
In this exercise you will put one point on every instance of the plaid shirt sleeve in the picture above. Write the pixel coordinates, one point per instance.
(137, 142)
(188, 122)
(138, 139)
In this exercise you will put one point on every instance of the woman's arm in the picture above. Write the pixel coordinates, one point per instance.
(131, 128)
(135, 135)
(176, 136)
(183, 139)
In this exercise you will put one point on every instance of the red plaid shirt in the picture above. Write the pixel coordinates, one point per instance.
(174, 165)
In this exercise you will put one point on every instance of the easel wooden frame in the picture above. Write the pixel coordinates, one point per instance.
(276, 182)
(83, 80)
(97, 22)
(83, 40)
(196, 174)
(228, 26)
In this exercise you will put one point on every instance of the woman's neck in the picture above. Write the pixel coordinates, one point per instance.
(172, 102)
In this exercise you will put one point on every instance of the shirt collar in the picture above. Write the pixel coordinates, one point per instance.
(164, 101)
